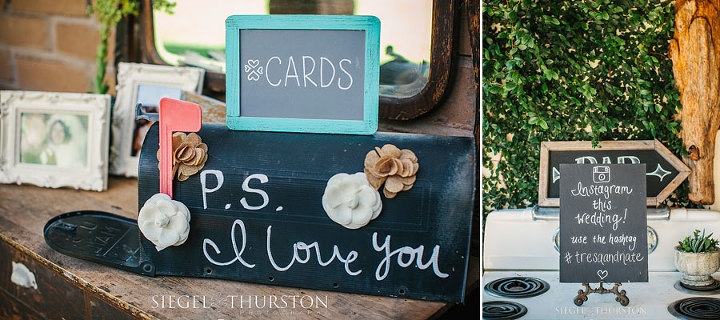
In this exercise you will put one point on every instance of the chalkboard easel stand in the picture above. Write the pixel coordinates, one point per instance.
(583, 294)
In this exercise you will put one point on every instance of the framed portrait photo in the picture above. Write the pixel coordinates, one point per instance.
(144, 84)
(53, 139)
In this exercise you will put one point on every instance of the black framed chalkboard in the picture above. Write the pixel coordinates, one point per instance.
(603, 223)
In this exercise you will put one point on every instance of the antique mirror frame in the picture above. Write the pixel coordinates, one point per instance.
(139, 46)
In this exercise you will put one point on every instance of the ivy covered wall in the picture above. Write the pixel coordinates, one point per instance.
(572, 70)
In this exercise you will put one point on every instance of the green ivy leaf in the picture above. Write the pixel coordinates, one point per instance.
(553, 69)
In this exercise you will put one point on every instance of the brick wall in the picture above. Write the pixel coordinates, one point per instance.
(48, 45)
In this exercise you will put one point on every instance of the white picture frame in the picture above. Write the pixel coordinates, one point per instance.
(53, 139)
(130, 77)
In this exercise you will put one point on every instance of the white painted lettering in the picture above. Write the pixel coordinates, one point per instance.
(238, 253)
(203, 183)
(302, 246)
(415, 254)
(347, 73)
(306, 75)
(245, 186)
(322, 74)
(586, 159)
(291, 62)
(267, 71)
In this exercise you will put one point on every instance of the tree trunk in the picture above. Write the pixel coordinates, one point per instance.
(695, 52)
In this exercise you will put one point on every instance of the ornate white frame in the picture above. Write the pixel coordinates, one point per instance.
(129, 76)
(95, 106)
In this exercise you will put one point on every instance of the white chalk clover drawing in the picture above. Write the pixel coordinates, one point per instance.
(163, 221)
(129, 77)
(254, 69)
(68, 134)
(350, 200)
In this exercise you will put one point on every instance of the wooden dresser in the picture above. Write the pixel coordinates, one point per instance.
(71, 288)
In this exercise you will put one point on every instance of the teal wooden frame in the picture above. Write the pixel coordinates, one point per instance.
(369, 24)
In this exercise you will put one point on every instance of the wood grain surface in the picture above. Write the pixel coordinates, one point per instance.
(24, 210)
(695, 52)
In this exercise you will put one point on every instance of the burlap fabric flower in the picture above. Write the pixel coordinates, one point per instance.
(189, 155)
(393, 167)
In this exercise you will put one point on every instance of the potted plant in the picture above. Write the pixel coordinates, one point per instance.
(697, 257)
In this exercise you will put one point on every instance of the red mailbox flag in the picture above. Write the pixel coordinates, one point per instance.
(175, 115)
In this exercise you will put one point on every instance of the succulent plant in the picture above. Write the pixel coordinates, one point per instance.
(698, 244)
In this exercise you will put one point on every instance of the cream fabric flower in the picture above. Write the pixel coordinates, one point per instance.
(350, 200)
(163, 221)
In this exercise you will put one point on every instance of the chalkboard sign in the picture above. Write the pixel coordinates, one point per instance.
(303, 73)
(603, 223)
(664, 173)
(257, 215)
